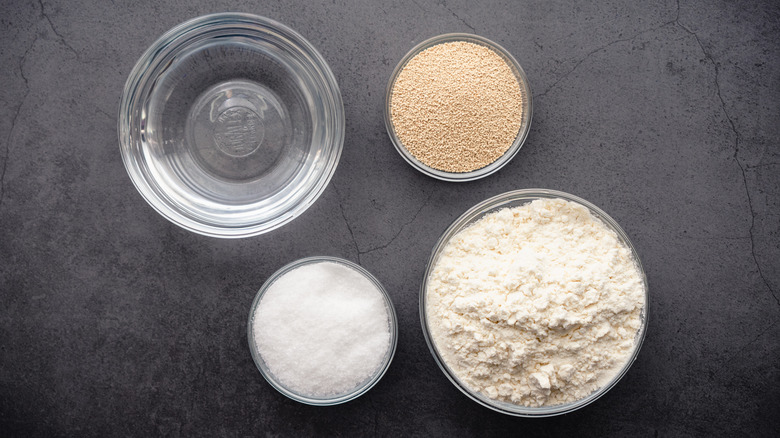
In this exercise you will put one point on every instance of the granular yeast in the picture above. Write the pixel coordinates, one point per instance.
(456, 106)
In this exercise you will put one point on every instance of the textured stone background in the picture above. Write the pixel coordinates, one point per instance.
(115, 322)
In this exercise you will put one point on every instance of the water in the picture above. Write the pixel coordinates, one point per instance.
(232, 124)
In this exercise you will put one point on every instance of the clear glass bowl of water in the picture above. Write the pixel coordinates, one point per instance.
(231, 125)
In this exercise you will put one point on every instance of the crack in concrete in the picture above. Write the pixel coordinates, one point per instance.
(604, 47)
(444, 5)
(400, 230)
(737, 138)
(744, 347)
(105, 113)
(714, 237)
(9, 137)
(349, 228)
(360, 253)
(677, 15)
(761, 165)
(419, 6)
(599, 49)
(346, 221)
(62, 39)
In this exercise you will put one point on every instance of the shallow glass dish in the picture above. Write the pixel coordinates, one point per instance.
(363, 387)
(231, 125)
(516, 199)
(525, 125)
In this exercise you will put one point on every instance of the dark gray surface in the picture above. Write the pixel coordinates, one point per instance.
(667, 116)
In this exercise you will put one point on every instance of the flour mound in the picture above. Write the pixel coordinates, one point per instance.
(536, 305)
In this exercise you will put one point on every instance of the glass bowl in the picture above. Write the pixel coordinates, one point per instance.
(341, 398)
(515, 199)
(525, 125)
(231, 125)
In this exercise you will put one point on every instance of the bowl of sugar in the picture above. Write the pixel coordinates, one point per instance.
(322, 331)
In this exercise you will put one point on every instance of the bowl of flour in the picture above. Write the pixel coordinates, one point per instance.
(534, 303)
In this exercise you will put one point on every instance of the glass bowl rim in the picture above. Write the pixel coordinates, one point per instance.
(154, 192)
(522, 134)
(469, 217)
(360, 390)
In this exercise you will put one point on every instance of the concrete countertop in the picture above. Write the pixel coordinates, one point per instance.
(666, 114)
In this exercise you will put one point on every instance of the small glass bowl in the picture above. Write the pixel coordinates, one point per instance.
(231, 125)
(516, 199)
(525, 125)
(360, 389)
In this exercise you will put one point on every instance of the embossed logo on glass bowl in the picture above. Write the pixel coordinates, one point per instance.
(238, 131)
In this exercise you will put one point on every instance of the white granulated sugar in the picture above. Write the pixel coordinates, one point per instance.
(536, 305)
(322, 329)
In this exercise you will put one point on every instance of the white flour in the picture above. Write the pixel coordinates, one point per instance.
(535, 305)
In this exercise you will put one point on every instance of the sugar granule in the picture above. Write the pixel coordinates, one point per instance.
(322, 329)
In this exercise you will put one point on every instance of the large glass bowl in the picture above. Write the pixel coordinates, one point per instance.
(231, 125)
(364, 386)
(516, 199)
(525, 123)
